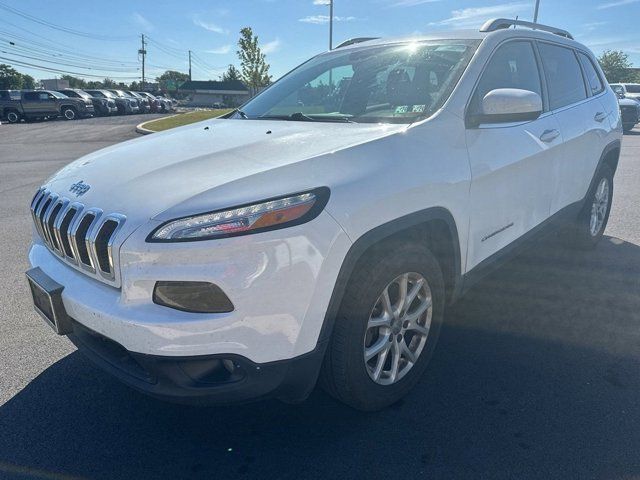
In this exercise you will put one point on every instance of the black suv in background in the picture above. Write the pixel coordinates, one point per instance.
(101, 105)
(39, 104)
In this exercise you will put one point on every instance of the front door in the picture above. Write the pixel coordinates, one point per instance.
(511, 164)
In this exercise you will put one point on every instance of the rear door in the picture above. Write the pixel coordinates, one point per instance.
(511, 163)
(582, 118)
(31, 103)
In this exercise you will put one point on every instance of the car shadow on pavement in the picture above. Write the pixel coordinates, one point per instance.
(537, 375)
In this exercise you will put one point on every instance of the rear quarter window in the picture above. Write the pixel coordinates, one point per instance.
(594, 82)
(564, 76)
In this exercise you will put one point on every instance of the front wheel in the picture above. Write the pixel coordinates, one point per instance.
(69, 113)
(592, 221)
(387, 327)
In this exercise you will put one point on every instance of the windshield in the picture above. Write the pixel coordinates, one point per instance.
(387, 84)
(83, 94)
(58, 95)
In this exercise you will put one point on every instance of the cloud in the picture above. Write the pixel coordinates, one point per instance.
(320, 19)
(212, 27)
(411, 3)
(617, 3)
(476, 16)
(271, 47)
(142, 22)
(321, 2)
(220, 50)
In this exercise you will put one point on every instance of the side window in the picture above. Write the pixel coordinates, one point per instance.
(45, 96)
(31, 96)
(513, 65)
(564, 76)
(593, 79)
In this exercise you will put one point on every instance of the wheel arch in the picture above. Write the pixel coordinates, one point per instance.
(435, 226)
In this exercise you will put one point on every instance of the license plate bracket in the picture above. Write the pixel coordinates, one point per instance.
(46, 294)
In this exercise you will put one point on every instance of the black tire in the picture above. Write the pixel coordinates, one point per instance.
(344, 372)
(580, 234)
(69, 113)
(13, 116)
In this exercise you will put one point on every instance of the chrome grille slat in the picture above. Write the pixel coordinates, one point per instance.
(83, 237)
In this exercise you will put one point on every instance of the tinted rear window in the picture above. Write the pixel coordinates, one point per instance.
(594, 83)
(633, 88)
(564, 76)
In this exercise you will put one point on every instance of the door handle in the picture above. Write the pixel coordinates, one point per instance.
(600, 116)
(549, 136)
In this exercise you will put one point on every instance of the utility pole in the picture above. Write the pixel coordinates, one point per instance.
(535, 13)
(189, 65)
(330, 25)
(143, 52)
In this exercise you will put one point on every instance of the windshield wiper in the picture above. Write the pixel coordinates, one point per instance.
(301, 117)
(242, 114)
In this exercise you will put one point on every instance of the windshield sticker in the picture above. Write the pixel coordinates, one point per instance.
(402, 109)
(418, 108)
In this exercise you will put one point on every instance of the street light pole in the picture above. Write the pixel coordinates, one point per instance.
(535, 13)
(330, 25)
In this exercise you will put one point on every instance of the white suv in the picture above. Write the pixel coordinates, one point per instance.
(320, 231)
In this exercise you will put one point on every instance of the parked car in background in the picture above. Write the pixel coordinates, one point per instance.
(154, 102)
(630, 111)
(9, 105)
(101, 105)
(166, 104)
(223, 264)
(145, 104)
(126, 104)
(630, 90)
(40, 104)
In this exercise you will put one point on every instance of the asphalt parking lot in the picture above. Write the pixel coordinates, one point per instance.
(537, 373)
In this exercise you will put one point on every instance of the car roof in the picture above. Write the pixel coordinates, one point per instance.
(468, 34)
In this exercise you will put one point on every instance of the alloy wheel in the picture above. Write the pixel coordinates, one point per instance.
(599, 207)
(398, 328)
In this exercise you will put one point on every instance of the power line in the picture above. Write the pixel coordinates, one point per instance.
(46, 60)
(54, 26)
(12, 63)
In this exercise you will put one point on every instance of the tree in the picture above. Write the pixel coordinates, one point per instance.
(253, 64)
(171, 80)
(617, 67)
(231, 74)
(28, 82)
(74, 82)
(10, 78)
(108, 83)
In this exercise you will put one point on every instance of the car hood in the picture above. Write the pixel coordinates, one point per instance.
(144, 177)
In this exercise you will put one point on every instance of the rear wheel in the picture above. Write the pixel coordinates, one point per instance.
(13, 116)
(69, 113)
(591, 223)
(387, 327)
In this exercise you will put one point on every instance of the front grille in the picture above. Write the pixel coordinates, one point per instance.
(81, 236)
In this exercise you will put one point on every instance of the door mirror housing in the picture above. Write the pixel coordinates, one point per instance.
(508, 105)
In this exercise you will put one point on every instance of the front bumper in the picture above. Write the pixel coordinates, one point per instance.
(280, 283)
(202, 380)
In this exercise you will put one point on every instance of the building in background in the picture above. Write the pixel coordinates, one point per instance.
(213, 93)
(54, 84)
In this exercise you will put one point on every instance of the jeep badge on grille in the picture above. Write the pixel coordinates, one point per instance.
(80, 188)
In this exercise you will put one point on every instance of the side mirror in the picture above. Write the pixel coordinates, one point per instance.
(507, 105)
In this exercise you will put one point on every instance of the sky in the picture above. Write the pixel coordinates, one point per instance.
(102, 38)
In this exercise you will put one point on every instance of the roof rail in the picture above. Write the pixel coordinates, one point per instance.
(502, 23)
(353, 41)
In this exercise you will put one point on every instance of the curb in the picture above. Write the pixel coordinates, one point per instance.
(145, 131)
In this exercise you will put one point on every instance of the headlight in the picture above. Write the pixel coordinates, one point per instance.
(254, 218)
